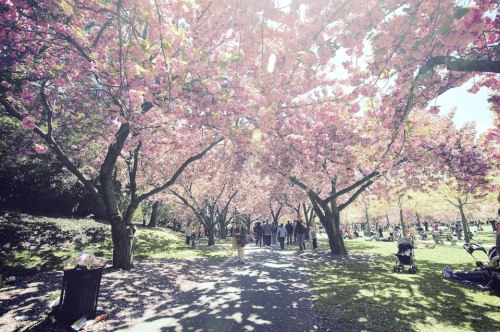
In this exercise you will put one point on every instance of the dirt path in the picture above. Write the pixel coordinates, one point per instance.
(270, 292)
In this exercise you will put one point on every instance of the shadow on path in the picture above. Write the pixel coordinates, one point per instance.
(270, 292)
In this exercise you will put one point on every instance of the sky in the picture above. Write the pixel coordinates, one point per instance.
(469, 107)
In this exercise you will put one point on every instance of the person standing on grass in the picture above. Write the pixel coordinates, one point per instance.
(281, 236)
(188, 232)
(301, 235)
(289, 232)
(240, 234)
(314, 238)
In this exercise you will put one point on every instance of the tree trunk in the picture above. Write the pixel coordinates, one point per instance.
(418, 219)
(387, 218)
(335, 240)
(99, 209)
(465, 224)
(123, 239)
(211, 235)
(331, 223)
(401, 220)
(368, 230)
(154, 214)
(223, 232)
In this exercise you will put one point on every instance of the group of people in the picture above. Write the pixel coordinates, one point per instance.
(268, 234)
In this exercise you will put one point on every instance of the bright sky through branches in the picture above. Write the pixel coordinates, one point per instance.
(469, 107)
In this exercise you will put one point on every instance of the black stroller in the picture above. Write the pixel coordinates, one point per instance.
(405, 255)
(486, 275)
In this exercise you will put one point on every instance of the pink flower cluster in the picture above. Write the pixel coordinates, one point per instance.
(136, 99)
(40, 149)
(29, 122)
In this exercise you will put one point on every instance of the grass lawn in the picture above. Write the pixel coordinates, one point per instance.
(160, 243)
(363, 293)
(37, 244)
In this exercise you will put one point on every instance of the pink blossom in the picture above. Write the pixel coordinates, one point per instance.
(213, 86)
(434, 110)
(354, 108)
(40, 149)
(178, 66)
(154, 88)
(29, 122)
(136, 98)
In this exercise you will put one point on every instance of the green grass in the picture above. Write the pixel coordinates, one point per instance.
(37, 244)
(159, 243)
(485, 237)
(363, 293)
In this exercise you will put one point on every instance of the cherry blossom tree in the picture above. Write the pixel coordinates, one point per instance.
(106, 88)
(326, 89)
(468, 170)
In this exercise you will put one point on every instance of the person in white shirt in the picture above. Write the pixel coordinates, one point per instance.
(282, 235)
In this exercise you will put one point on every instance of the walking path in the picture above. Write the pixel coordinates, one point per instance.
(270, 292)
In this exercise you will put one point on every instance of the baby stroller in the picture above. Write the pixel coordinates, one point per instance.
(405, 255)
(493, 262)
(486, 275)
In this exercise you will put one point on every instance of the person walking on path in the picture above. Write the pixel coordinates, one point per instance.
(274, 232)
(314, 239)
(282, 235)
(295, 231)
(268, 230)
(301, 235)
(188, 232)
(289, 232)
(258, 234)
(240, 233)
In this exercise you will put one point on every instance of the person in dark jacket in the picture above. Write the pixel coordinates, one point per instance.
(289, 232)
(258, 234)
(301, 235)
(267, 229)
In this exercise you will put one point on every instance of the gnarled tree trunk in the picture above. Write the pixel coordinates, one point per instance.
(154, 214)
(211, 236)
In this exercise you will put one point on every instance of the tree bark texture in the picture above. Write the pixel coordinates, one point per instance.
(465, 223)
(123, 239)
(154, 214)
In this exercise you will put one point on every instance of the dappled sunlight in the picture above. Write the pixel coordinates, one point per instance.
(237, 317)
(29, 297)
(365, 287)
(242, 297)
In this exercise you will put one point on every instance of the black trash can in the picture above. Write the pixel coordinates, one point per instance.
(79, 294)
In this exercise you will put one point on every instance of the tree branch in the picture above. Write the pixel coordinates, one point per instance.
(179, 171)
(462, 65)
(354, 185)
(57, 150)
(356, 194)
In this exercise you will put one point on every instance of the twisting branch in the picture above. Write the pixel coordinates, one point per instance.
(57, 150)
(133, 172)
(354, 185)
(462, 65)
(179, 171)
(101, 31)
(356, 194)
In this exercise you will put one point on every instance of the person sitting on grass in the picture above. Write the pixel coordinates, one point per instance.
(375, 237)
